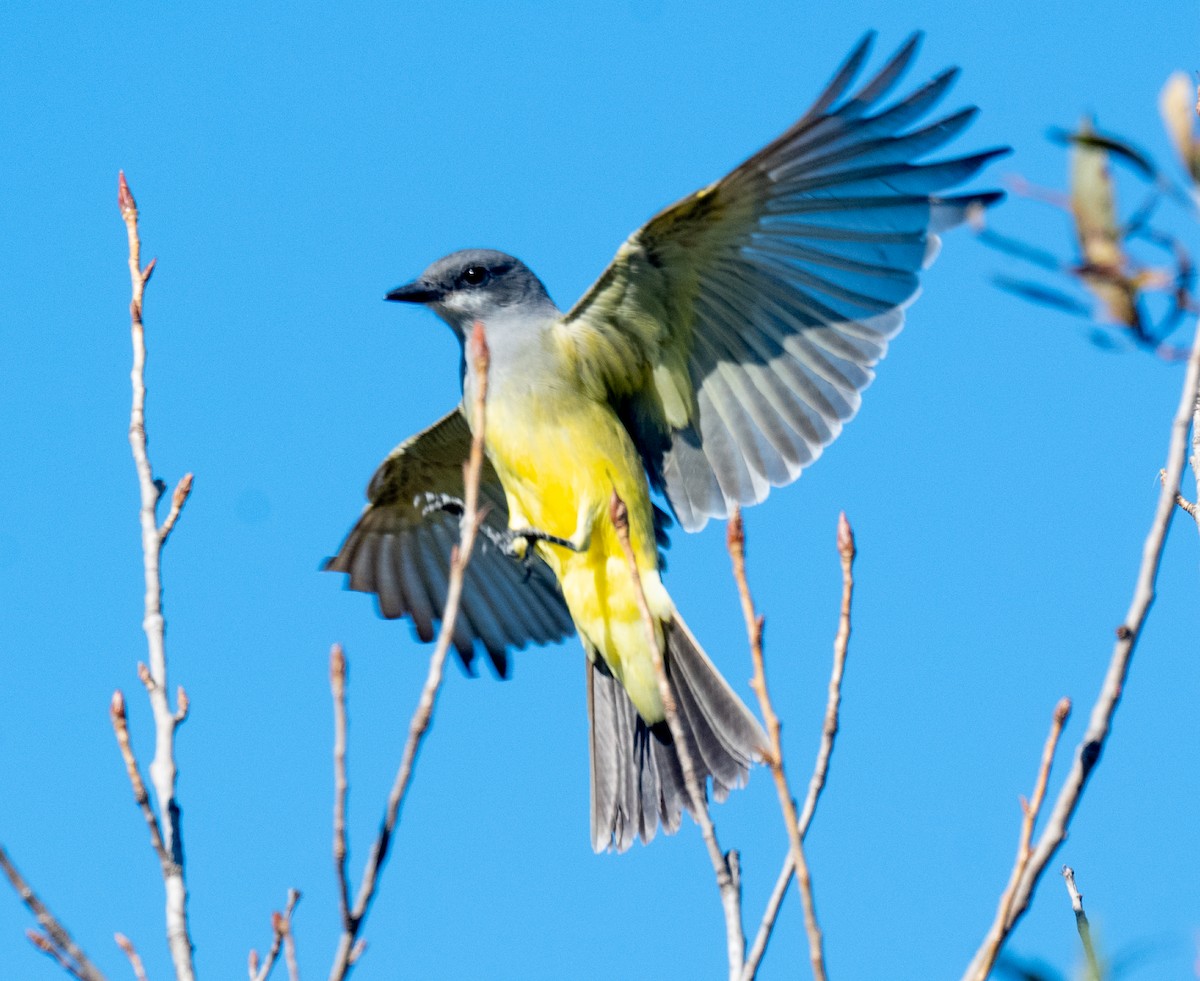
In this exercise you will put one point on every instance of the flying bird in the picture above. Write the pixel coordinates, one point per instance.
(724, 346)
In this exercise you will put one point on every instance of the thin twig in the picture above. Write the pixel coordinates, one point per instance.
(1094, 971)
(1183, 502)
(183, 490)
(736, 543)
(726, 882)
(829, 730)
(289, 939)
(281, 937)
(337, 683)
(1099, 725)
(162, 769)
(1195, 460)
(1030, 808)
(349, 945)
(56, 937)
(120, 726)
(135, 960)
(47, 947)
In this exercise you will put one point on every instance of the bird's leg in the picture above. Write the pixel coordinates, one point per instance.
(520, 539)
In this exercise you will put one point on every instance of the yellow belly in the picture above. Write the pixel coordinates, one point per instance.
(559, 465)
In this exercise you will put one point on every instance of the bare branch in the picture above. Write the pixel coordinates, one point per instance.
(730, 893)
(1194, 511)
(991, 944)
(829, 730)
(56, 941)
(281, 937)
(289, 938)
(46, 946)
(1094, 971)
(736, 543)
(120, 726)
(135, 960)
(349, 947)
(1188, 506)
(162, 768)
(182, 491)
(1099, 725)
(337, 683)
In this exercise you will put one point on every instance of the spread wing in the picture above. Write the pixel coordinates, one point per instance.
(736, 330)
(400, 550)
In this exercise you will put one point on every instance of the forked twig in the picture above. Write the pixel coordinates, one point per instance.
(56, 942)
(829, 730)
(724, 866)
(1087, 754)
(736, 542)
(1030, 809)
(350, 946)
(281, 938)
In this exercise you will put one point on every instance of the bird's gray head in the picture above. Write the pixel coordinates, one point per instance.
(476, 284)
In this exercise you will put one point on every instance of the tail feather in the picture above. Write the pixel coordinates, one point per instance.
(637, 778)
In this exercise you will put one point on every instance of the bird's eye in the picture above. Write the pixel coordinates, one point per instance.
(474, 275)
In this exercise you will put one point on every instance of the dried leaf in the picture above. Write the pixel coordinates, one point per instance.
(1177, 105)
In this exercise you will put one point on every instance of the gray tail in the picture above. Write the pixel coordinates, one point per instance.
(637, 780)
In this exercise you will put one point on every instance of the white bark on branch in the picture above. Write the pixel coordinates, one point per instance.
(166, 720)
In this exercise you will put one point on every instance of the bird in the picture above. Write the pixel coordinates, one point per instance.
(725, 345)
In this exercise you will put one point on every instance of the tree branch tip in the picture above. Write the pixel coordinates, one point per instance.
(252, 963)
(40, 941)
(117, 707)
(183, 705)
(337, 671)
(845, 537)
(359, 948)
(1062, 711)
(735, 532)
(149, 270)
(125, 197)
(144, 676)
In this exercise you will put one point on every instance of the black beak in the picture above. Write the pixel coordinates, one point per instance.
(415, 292)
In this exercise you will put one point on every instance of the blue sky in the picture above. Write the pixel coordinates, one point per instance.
(293, 164)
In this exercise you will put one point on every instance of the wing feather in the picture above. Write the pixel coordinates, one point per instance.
(400, 550)
(736, 330)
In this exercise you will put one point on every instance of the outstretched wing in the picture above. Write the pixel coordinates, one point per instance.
(400, 550)
(736, 330)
